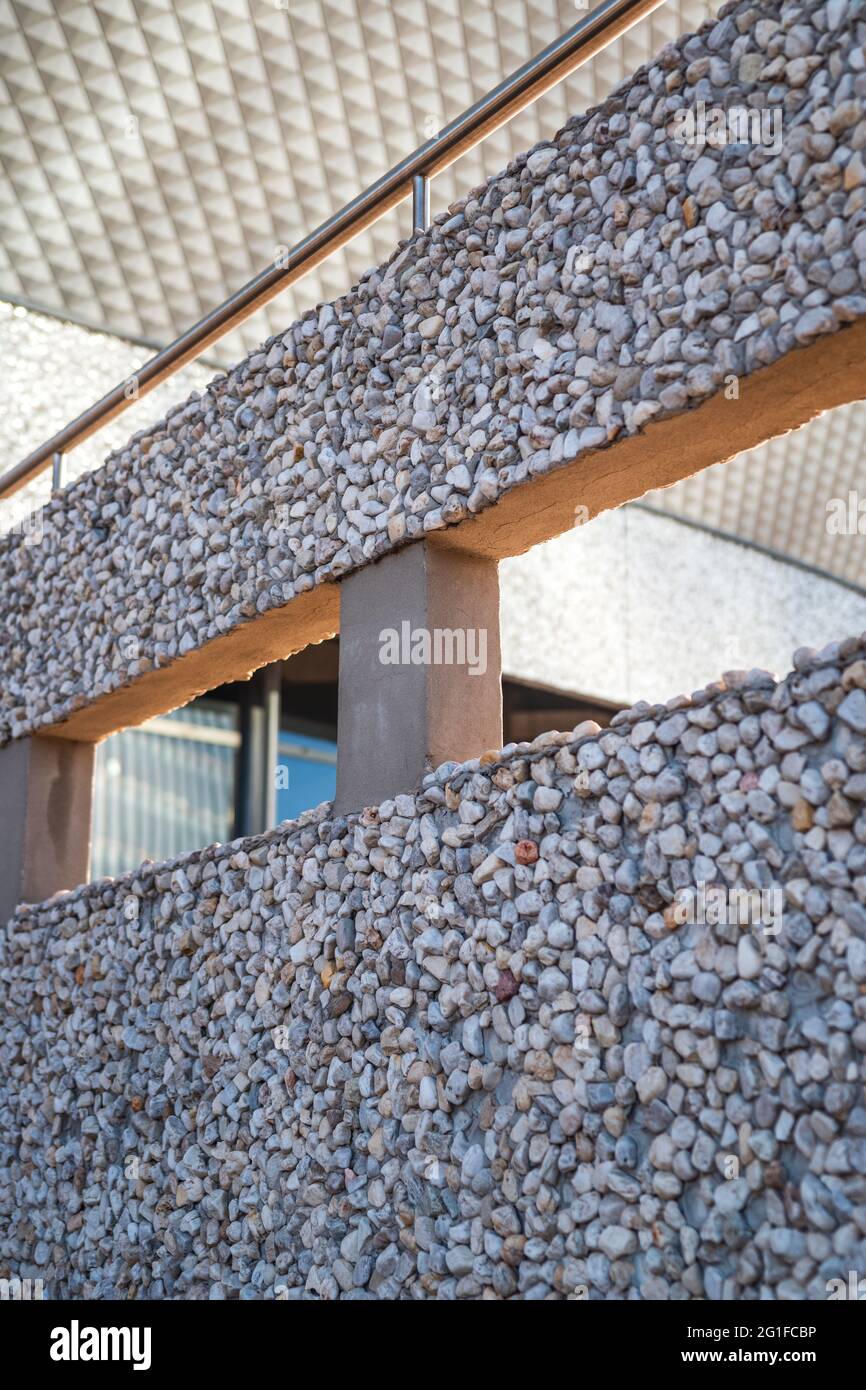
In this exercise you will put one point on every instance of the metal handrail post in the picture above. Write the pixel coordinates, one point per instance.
(420, 202)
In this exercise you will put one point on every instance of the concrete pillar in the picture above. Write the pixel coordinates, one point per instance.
(419, 670)
(46, 799)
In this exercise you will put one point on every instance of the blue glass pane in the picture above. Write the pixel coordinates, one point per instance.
(309, 765)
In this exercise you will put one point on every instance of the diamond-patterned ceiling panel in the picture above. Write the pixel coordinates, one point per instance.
(157, 153)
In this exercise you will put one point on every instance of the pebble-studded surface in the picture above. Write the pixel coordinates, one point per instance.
(607, 278)
(464, 1045)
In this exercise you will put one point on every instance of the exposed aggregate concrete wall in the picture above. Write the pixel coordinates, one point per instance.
(611, 277)
(463, 1045)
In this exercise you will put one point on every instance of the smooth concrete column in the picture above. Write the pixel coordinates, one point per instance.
(398, 718)
(46, 800)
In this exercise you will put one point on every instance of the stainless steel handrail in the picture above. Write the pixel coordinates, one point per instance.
(410, 176)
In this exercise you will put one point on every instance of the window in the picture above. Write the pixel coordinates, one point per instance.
(306, 772)
(165, 788)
